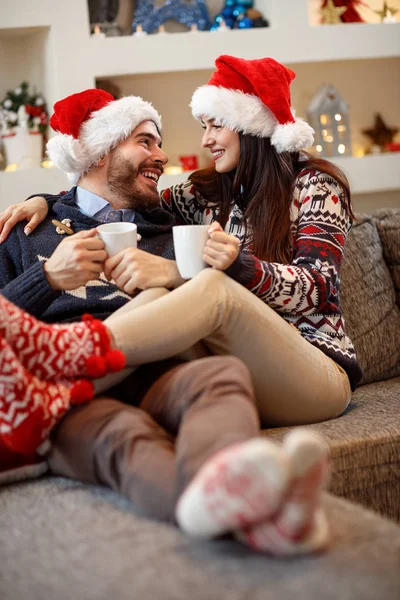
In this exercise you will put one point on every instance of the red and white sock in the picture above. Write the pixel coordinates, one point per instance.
(239, 486)
(53, 352)
(300, 525)
(29, 407)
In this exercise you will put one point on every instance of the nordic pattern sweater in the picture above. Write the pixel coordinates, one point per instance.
(306, 291)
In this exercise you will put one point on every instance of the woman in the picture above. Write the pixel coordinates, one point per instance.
(279, 219)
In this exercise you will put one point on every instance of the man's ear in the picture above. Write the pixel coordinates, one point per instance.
(101, 162)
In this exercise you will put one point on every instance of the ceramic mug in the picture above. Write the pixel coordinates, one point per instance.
(117, 236)
(189, 242)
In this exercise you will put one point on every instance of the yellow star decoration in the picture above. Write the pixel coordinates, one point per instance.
(382, 13)
(331, 14)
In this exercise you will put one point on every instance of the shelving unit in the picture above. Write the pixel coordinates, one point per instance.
(136, 55)
(49, 44)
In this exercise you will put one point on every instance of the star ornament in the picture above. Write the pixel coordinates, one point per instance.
(380, 134)
(331, 14)
(385, 10)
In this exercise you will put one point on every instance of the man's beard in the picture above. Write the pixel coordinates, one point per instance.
(122, 181)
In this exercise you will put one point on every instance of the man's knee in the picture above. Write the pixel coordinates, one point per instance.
(213, 375)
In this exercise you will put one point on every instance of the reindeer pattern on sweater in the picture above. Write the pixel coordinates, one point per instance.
(306, 291)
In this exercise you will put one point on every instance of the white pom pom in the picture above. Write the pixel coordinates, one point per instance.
(68, 154)
(292, 137)
(73, 178)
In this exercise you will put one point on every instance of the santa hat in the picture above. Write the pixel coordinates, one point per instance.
(90, 124)
(253, 97)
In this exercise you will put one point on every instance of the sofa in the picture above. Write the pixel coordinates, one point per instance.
(365, 441)
(62, 539)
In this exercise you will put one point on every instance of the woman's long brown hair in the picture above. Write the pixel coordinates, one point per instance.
(262, 185)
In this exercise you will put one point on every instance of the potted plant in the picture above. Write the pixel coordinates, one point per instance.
(23, 123)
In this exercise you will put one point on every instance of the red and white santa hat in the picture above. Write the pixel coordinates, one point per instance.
(253, 97)
(90, 124)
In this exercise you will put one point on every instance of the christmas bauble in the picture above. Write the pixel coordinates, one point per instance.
(239, 10)
(230, 3)
(227, 12)
(230, 22)
(247, 3)
(245, 23)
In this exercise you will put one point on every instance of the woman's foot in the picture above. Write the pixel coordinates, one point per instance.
(30, 408)
(239, 486)
(53, 352)
(300, 525)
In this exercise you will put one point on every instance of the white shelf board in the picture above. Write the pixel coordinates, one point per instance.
(371, 173)
(17, 185)
(167, 181)
(127, 55)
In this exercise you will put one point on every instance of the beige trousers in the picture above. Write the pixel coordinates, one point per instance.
(295, 383)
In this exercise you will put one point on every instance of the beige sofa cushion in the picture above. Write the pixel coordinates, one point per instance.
(367, 295)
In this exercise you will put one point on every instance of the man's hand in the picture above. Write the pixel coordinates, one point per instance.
(134, 269)
(78, 259)
(221, 249)
(33, 211)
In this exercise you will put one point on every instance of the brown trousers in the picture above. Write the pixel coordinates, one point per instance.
(151, 452)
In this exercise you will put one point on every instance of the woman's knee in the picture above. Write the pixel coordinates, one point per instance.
(212, 277)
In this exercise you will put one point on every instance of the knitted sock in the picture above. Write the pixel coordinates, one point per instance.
(53, 352)
(266, 537)
(237, 487)
(30, 408)
(300, 525)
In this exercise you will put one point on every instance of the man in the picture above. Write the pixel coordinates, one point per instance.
(113, 150)
(188, 412)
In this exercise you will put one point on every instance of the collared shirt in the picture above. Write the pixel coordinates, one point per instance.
(96, 207)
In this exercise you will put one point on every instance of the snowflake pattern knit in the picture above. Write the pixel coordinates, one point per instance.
(29, 407)
(54, 352)
(306, 291)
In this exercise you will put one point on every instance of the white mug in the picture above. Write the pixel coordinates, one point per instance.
(189, 242)
(117, 236)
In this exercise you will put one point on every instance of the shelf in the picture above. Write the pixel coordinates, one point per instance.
(198, 50)
(369, 174)
(372, 173)
(17, 185)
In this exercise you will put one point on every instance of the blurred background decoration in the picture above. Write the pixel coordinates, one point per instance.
(341, 11)
(151, 17)
(239, 14)
(381, 137)
(23, 124)
(328, 114)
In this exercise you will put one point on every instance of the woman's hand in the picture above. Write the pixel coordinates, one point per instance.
(221, 249)
(34, 211)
